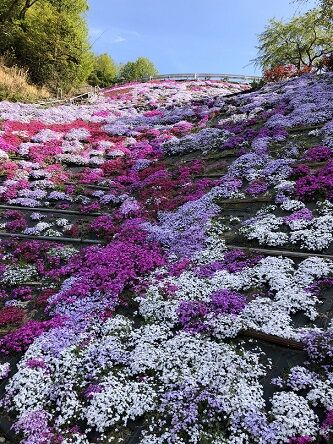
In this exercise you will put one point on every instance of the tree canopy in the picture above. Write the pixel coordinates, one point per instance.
(302, 41)
(104, 72)
(325, 7)
(142, 67)
(49, 39)
(11, 10)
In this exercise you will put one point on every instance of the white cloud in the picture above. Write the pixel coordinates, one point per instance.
(133, 33)
(117, 39)
(112, 35)
(94, 32)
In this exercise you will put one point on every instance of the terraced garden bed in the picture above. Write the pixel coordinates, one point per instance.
(202, 310)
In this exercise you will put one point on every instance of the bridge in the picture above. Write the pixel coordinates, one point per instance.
(237, 78)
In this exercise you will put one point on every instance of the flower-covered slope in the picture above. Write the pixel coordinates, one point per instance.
(167, 329)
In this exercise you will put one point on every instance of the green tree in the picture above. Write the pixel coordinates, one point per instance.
(11, 10)
(142, 67)
(104, 72)
(127, 71)
(302, 41)
(50, 38)
(12, 13)
(325, 7)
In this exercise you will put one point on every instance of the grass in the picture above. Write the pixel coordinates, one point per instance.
(15, 86)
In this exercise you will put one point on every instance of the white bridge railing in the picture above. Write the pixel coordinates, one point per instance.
(205, 76)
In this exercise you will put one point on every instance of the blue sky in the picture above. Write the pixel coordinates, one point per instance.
(216, 36)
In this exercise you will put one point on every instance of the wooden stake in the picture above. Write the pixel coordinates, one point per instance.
(51, 238)
(246, 200)
(49, 210)
(272, 339)
(287, 253)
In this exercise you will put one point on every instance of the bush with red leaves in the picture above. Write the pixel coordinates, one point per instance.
(283, 72)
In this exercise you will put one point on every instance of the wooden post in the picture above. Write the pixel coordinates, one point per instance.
(59, 239)
(51, 210)
(272, 339)
(273, 252)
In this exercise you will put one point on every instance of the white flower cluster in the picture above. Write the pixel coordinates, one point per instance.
(4, 370)
(65, 252)
(46, 228)
(46, 135)
(116, 359)
(314, 234)
(120, 400)
(264, 229)
(3, 155)
(287, 284)
(81, 134)
(292, 417)
(18, 274)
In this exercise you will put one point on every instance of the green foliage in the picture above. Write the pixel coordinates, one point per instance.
(14, 10)
(302, 41)
(10, 11)
(325, 7)
(127, 71)
(257, 84)
(51, 40)
(104, 72)
(142, 67)
(53, 44)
